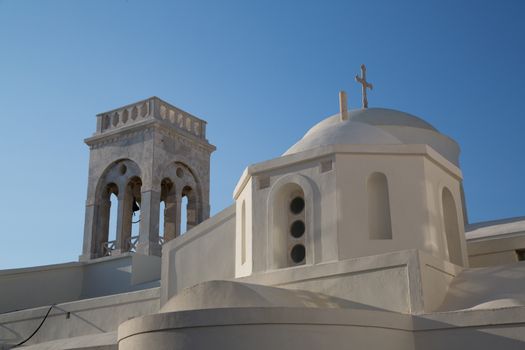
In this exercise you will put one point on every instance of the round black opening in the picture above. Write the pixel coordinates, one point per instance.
(297, 228)
(123, 169)
(297, 205)
(180, 172)
(298, 253)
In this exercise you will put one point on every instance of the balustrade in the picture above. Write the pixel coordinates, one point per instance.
(110, 246)
(152, 108)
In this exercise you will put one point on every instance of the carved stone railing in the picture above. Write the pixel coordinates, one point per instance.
(110, 246)
(132, 243)
(152, 108)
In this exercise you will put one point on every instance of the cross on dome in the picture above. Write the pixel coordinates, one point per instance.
(365, 84)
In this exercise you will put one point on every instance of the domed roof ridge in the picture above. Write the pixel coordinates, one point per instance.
(387, 116)
(334, 132)
(376, 126)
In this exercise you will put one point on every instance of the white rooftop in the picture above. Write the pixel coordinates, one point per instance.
(497, 228)
(378, 126)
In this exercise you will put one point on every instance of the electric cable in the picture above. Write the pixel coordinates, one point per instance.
(38, 328)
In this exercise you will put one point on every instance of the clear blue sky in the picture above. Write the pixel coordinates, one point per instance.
(261, 73)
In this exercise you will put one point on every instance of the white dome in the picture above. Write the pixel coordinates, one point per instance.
(376, 126)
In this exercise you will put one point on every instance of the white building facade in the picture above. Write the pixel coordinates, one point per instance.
(354, 237)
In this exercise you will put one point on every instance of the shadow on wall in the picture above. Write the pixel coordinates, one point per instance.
(75, 281)
(443, 234)
(9, 336)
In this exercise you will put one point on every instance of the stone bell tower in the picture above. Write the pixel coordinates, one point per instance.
(145, 153)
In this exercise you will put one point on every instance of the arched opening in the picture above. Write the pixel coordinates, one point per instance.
(116, 210)
(451, 225)
(184, 214)
(106, 240)
(113, 214)
(379, 219)
(182, 198)
(243, 233)
(161, 218)
(289, 227)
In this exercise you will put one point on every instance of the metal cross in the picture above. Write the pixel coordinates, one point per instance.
(365, 84)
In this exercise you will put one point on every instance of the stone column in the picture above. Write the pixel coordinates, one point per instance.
(120, 222)
(101, 230)
(88, 247)
(170, 216)
(149, 223)
(178, 212)
(192, 211)
(124, 234)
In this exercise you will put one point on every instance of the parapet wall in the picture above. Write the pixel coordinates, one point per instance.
(45, 285)
(68, 320)
(204, 253)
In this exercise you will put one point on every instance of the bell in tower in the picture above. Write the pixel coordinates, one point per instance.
(145, 153)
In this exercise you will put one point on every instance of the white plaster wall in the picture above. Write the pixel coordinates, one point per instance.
(493, 259)
(489, 288)
(495, 250)
(328, 337)
(416, 175)
(436, 278)
(206, 252)
(360, 280)
(406, 186)
(245, 198)
(508, 337)
(120, 274)
(471, 329)
(267, 328)
(415, 183)
(55, 283)
(271, 336)
(437, 178)
(91, 316)
(74, 281)
(313, 328)
(319, 190)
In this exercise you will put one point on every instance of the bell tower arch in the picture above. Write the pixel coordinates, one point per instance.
(145, 153)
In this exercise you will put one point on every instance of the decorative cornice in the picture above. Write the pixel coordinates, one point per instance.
(144, 128)
(323, 151)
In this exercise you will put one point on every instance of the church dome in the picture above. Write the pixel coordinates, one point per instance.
(376, 126)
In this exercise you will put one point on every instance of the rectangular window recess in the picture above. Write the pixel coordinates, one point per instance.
(520, 253)
(264, 182)
(326, 165)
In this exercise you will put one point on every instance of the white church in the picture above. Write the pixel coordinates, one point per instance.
(355, 238)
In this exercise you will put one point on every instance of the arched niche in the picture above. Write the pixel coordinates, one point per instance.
(379, 218)
(451, 227)
(291, 223)
(243, 233)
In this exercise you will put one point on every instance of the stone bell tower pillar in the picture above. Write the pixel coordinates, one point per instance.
(145, 153)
